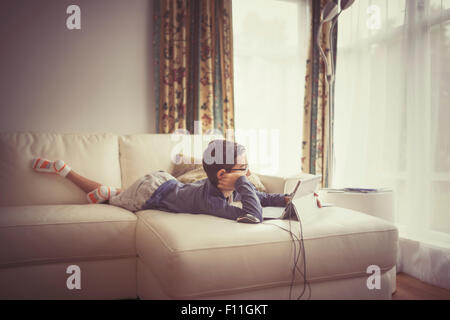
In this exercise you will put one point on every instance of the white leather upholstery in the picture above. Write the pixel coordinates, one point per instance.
(100, 279)
(143, 153)
(46, 225)
(276, 184)
(94, 156)
(354, 288)
(62, 233)
(196, 255)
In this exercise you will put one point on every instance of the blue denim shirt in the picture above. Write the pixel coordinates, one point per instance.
(203, 197)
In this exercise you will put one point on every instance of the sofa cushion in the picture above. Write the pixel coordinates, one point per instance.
(213, 255)
(141, 154)
(186, 164)
(95, 156)
(58, 233)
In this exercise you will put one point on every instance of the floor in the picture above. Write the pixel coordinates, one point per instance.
(409, 288)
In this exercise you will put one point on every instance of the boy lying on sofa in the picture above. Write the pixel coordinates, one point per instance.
(225, 163)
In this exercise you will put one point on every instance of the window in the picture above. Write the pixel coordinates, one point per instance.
(270, 48)
(392, 111)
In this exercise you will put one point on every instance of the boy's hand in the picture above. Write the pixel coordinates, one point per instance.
(286, 200)
(227, 180)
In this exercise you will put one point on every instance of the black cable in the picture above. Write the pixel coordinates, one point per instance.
(291, 208)
(295, 258)
(305, 281)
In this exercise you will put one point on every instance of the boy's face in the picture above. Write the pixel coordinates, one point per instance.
(228, 178)
(241, 165)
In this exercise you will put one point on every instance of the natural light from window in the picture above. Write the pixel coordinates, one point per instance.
(269, 68)
(392, 109)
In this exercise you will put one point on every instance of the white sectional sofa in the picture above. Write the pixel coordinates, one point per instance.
(46, 225)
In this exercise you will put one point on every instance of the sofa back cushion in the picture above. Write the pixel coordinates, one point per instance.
(95, 156)
(141, 154)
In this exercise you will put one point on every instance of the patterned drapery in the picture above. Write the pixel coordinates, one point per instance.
(193, 44)
(316, 104)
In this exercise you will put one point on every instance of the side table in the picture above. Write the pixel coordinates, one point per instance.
(379, 204)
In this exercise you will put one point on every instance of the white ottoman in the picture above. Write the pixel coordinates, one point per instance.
(189, 256)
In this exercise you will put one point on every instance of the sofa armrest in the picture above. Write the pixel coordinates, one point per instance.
(286, 184)
(273, 184)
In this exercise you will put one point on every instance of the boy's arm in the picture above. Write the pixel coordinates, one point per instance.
(267, 199)
(272, 199)
(250, 202)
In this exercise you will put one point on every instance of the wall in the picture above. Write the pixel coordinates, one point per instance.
(97, 79)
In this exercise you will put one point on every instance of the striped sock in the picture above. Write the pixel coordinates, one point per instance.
(101, 194)
(47, 166)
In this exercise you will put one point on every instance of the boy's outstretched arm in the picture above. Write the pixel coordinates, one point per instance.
(272, 199)
(268, 199)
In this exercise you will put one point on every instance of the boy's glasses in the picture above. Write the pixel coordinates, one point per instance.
(240, 169)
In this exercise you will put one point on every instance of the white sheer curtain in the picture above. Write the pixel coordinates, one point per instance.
(270, 52)
(392, 115)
